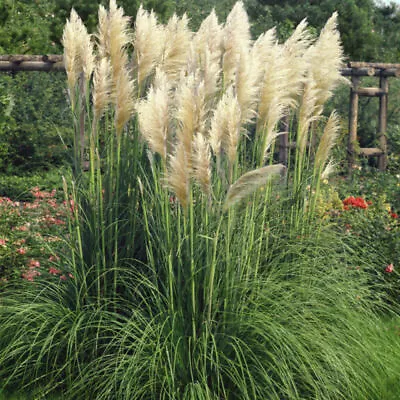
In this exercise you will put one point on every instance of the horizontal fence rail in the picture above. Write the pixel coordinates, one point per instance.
(54, 62)
(44, 63)
(355, 70)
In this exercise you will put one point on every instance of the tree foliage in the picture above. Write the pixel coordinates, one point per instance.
(25, 27)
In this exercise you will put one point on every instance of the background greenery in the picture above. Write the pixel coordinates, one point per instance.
(34, 109)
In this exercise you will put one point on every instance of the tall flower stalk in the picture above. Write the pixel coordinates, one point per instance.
(205, 116)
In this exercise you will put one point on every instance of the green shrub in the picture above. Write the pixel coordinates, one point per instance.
(33, 115)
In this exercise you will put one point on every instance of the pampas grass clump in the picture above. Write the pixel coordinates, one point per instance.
(197, 267)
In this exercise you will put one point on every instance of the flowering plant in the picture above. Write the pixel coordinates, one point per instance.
(373, 224)
(357, 202)
(30, 236)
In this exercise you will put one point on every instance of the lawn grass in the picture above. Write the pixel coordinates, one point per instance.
(29, 396)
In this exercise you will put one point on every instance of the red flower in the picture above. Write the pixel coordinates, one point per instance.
(357, 202)
(389, 269)
(393, 215)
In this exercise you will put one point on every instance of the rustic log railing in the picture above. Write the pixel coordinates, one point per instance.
(44, 63)
(357, 70)
(383, 72)
(354, 70)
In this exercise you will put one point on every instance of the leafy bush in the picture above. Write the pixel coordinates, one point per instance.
(33, 116)
(19, 187)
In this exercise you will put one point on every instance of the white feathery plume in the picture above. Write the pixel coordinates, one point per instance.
(161, 80)
(190, 111)
(153, 115)
(236, 39)
(201, 160)
(247, 84)
(250, 182)
(294, 50)
(325, 59)
(262, 48)
(124, 100)
(309, 111)
(178, 178)
(87, 56)
(211, 72)
(72, 43)
(207, 43)
(275, 96)
(192, 61)
(260, 55)
(225, 129)
(329, 169)
(103, 33)
(114, 36)
(284, 76)
(210, 35)
(148, 43)
(101, 87)
(120, 36)
(176, 46)
(328, 140)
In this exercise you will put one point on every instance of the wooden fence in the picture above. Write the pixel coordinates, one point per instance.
(355, 70)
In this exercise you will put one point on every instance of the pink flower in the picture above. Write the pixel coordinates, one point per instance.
(63, 278)
(30, 274)
(54, 271)
(51, 220)
(52, 203)
(21, 250)
(3, 242)
(70, 275)
(34, 264)
(31, 205)
(389, 269)
(53, 258)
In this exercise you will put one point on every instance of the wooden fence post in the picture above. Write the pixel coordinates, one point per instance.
(383, 103)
